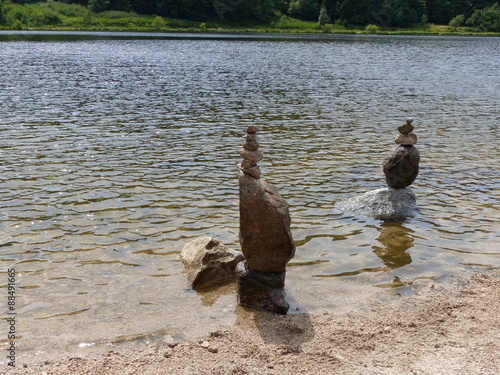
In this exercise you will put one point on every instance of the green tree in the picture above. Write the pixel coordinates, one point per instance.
(87, 18)
(123, 5)
(97, 6)
(243, 10)
(2, 14)
(158, 22)
(438, 11)
(304, 9)
(457, 21)
(487, 19)
(323, 17)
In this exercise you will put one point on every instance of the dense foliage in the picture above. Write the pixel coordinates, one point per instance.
(483, 15)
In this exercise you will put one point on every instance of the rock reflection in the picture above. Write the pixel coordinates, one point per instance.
(396, 239)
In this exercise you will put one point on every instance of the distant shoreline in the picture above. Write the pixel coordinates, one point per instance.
(260, 31)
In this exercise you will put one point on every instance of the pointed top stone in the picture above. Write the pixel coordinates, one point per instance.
(406, 128)
(252, 129)
(251, 153)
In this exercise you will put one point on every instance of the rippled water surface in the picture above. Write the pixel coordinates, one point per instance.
(118, 149)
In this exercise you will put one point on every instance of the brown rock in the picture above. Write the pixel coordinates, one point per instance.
(252, 137)
(265, 236)
(406, 139)
(252, 171)
(407, 128)
(248, 163)
(401, 166)
(250, 145)
(252, 129)
(252, 155)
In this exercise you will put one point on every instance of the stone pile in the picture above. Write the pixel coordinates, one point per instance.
(251, 153)
(402, 164)
(265, 236)
(397, 201)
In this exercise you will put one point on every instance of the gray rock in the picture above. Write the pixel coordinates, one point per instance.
(383, 204)
(401, 166)
(208, 262)
(265, 236)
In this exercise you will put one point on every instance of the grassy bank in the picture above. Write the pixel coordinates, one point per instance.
(72, 17)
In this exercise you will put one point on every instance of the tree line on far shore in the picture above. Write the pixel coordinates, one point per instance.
(483, 15)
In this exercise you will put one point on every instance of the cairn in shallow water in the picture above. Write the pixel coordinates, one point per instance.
(397, 201)
(265, 236)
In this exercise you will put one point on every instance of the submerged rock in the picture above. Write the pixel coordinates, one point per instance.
(383, 204)
(209, 262)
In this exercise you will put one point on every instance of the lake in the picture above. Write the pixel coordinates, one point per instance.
(117, 149)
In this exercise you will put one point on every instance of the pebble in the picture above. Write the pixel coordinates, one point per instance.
(205, 344)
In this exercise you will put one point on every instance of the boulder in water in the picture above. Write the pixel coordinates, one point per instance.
(383, 204)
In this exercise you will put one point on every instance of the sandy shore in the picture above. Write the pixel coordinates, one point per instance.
(453, 330)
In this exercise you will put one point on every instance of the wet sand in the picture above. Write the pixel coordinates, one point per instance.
(447, 330)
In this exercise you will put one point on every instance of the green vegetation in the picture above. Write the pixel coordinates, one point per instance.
(487, 19)
(371, 29)
(327, 16)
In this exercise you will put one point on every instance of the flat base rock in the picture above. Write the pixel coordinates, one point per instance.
(383, 204)
(261, 290)
(209, 262)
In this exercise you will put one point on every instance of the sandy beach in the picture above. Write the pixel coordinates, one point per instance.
(447, 330)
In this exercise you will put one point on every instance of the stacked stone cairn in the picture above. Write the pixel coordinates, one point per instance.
(397, 201)
(402, 163)
(265, 236)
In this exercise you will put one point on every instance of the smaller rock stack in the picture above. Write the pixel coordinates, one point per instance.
(265, 236)
(402, 163)
(251, 153)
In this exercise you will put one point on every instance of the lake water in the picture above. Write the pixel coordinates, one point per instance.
(118, 149)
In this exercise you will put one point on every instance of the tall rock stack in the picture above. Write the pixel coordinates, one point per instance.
(401, 165)
(265, 236)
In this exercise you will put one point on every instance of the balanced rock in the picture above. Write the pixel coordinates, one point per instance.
(407, 127)
(402, 164)
(208, 262)
(383, 204)
(265, 236)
